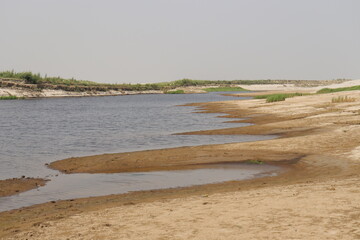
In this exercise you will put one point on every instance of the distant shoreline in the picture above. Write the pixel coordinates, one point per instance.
(38, 87)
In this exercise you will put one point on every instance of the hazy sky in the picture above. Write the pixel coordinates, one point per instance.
(138, 41)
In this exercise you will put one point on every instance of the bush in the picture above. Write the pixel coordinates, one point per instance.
(30, 78)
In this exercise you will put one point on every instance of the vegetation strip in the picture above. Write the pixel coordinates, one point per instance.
(225, 89)
(279, 96)
(11, 97)
(332, 90)
(175, 92)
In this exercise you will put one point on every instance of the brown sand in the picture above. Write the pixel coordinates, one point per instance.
(318, 198)
(318, 210)
(13, 186)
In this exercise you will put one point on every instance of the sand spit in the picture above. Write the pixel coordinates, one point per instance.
(13, 186)
(61, 93)
(317, 198)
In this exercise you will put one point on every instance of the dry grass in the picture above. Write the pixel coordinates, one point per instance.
(341, 99)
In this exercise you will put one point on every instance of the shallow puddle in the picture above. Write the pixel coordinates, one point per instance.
(71, 186)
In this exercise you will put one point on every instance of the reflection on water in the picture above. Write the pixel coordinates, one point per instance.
(85, 185)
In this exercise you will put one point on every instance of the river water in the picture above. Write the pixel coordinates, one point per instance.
(38, 131)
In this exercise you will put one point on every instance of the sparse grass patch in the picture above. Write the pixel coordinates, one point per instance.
(224, 89)
(255, 162)
(341, 99)
(175, 92)
(279, 97)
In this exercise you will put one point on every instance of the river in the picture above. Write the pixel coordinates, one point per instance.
(38, 131)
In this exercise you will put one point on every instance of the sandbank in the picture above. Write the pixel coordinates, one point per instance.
(13, 186)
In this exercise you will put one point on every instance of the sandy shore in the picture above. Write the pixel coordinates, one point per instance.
(317, 198)
(13, 186)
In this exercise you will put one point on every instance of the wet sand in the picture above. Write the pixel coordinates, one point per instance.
(14, 186)
(317, 198)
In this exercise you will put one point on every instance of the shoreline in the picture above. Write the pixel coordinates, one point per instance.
(300, 85)
(331, 127)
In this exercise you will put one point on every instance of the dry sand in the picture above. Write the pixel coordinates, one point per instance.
(317, 199)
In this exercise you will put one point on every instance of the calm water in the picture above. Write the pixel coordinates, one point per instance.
(85, 185)
(39, 131)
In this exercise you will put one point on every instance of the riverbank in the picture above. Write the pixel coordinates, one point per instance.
(28, 85)
(45, 93)
(317, 198)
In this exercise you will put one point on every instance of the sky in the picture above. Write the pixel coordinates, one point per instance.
(144, 41)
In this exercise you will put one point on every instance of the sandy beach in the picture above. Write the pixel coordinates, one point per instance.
(316, 198)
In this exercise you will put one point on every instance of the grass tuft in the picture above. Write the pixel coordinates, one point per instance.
(255, 162)
(341, 99)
